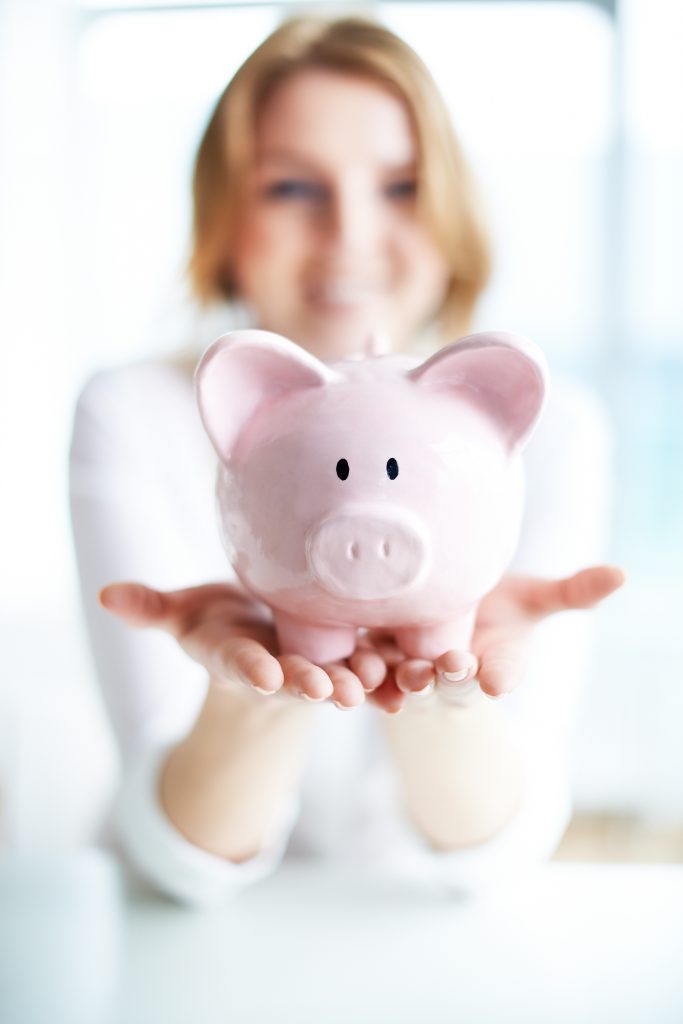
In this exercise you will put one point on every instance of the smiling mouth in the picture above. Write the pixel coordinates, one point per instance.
(343, 295)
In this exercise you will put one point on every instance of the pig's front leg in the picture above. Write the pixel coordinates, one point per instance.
(319, 643)
(430, 642)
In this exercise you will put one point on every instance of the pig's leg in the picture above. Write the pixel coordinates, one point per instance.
(321, 644)
(430, 642)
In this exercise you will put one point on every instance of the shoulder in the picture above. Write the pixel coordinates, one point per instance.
(574, 420)
(135, 409)
(149, 382)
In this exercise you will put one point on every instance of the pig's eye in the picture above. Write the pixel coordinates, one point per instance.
(392, 469)
(342, 469)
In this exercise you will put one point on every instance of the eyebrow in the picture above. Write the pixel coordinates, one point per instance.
(291, 157)
(282, 156)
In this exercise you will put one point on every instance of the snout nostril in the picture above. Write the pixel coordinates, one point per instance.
(384, 550)
(352, 551)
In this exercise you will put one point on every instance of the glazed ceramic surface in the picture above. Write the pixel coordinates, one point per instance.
(370, 492)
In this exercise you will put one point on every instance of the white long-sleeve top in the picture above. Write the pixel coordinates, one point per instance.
(142, 477)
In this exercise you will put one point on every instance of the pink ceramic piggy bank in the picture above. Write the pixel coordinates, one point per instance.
(371, 492)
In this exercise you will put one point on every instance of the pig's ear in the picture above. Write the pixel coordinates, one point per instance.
(503, 373)
(241, 371)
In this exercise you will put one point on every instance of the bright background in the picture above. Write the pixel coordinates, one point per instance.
(572, 115)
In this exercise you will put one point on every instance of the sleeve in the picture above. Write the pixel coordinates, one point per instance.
(569, 488)
(162, 855)
(142, 508)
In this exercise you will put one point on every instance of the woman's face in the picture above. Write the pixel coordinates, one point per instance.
(330, 247)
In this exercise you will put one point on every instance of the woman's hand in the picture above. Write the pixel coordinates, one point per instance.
(500, 641)
(232, 636)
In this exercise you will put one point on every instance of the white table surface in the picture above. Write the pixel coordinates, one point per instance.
(80, 943)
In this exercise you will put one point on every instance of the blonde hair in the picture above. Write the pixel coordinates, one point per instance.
(356, 46)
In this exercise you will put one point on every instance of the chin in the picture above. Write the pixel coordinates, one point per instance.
(331, 345)
(348, 336)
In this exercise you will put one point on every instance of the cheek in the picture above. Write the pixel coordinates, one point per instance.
(421, 261)
(254, 241)
(266, 248)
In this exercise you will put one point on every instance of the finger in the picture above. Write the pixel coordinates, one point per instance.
(388, 697)
(590, 586)
(247, 660)
(455, 675)
(456, 666)
(582, 590)
(305, 680)
(414, 675)
(135, 603)
(348, 689)
(173, 610)
(369, 666)
(502, 666)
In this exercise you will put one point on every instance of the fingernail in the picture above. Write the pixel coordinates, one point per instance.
(311, 700)
(497, 696)
(425, 691)
(342, 707)
(455, 677)
(266, 693)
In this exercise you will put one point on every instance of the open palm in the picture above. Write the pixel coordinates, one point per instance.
(232, 636)
(501, 638)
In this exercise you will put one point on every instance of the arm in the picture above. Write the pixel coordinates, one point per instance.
(461, 767)
(459, 756)
(225, 784)
(210, 769)
(142, 507)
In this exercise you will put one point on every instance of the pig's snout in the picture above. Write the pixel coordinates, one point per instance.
(368, 553)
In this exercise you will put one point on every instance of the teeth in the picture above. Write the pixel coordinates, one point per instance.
(343, 293)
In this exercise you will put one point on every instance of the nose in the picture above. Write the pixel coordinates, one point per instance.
(352, 223)
(368, 553)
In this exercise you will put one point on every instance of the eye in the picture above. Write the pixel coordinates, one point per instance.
(392, 469)
(343, 469)
(293, 188)
(402, 189)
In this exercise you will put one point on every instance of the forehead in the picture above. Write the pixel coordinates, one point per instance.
(331, 117)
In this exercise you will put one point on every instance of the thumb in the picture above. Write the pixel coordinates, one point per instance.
(584, 589)
(135, 603)
(501, 669)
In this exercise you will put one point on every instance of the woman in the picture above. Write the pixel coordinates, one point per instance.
(331, 200)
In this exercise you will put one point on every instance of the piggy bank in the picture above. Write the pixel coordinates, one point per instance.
(379, 491)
